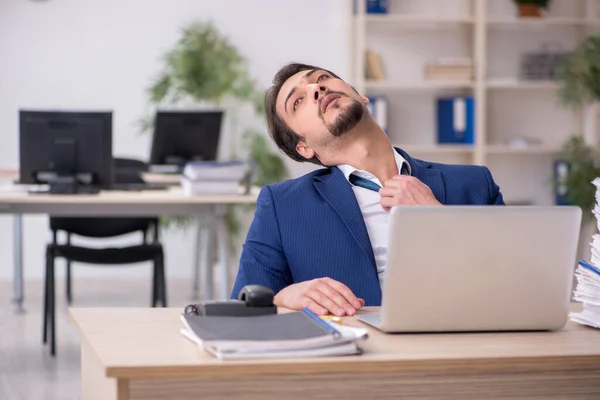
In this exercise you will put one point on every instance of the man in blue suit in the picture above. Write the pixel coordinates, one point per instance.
(320, 241)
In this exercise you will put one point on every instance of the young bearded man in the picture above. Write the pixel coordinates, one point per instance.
(320, 241)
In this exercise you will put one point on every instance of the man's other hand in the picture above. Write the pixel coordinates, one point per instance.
(403, 190)
(321, 296)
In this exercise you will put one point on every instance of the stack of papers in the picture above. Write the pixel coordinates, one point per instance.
(587, 292)
(214, 177)
(290, 335)
(588, 277)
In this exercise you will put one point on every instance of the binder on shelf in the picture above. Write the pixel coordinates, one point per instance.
(374, 6)
(456, 120)
(561, 170)
(378, 107)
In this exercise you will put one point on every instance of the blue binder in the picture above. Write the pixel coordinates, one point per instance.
(561, 170)
(377, 6)
(378, 107)
(456, 120)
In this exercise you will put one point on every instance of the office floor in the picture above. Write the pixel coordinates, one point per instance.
(27, 371)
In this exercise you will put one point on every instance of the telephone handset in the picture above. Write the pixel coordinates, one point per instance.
(253, 300)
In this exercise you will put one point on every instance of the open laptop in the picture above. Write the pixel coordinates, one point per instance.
(478, 268)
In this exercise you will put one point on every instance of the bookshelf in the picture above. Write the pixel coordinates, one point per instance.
(507, 107)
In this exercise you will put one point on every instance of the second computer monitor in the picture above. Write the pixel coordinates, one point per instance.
(181, 137)
(59, 145)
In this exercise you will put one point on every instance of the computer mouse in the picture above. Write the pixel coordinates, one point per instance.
(257, 296)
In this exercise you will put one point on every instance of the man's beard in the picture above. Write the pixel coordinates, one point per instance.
(347, 119)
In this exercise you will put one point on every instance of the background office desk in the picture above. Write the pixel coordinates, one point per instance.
(140, 354)
(127, 203)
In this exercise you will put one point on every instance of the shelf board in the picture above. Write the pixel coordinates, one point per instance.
(521, 85)
(401, 19)
(436, 148)
(533, 149)
(416, 86)
(566, 21)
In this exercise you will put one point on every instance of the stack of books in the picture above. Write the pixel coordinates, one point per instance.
(214, 177)
(587, 274)
(295, 334)
(450, 69)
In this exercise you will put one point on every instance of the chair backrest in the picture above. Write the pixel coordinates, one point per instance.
(102, 227)
(129, 170)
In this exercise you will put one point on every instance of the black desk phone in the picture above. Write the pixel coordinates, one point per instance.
(253, 300)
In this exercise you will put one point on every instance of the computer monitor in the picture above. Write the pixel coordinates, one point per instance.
(71, 151)
(180, 137)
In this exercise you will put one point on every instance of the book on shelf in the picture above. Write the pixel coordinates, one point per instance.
(452, 62)
(374, 70)
(450, 69)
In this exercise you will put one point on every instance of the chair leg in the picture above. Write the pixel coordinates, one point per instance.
(155, 283)
(46, 295)
(68, 283)
(52, 307)
(162, 281)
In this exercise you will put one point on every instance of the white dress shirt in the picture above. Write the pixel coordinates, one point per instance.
(376, 218)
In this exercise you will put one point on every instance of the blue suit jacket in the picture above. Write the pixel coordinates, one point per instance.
(312, 227)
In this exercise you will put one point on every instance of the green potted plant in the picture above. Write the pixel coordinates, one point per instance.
(579, 79)
(205, 69)
(583, 163)
(579, 75)
(531, 8)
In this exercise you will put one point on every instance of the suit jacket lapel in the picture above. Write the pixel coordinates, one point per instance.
(430, 176)
(337, 192)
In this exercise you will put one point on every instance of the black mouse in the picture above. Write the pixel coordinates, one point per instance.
(257, 296)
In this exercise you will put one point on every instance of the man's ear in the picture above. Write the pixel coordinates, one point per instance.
(305, 151)
(364, 99)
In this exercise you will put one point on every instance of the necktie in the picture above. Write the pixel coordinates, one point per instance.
(368, 184)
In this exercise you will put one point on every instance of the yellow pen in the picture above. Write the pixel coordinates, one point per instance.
(337, 320)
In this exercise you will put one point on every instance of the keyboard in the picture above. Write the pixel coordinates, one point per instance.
(139, 186)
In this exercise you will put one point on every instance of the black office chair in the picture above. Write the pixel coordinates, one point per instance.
(125, 172)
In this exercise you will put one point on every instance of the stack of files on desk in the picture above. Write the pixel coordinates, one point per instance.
(290, 335)
(588, 293)
(587, 274)
(213, 177)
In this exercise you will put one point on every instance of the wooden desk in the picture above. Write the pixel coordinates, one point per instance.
(140, 354)
(125, 203)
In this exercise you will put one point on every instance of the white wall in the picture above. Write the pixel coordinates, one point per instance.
(102, 54)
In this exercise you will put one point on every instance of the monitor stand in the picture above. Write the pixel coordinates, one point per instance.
(65, 179)
(65, 184)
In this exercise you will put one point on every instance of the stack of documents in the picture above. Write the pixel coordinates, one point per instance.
(290, 335)
(588, 277)
(587, 292)
(450, 69)
(213, 177)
